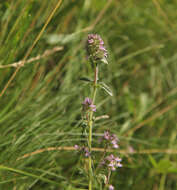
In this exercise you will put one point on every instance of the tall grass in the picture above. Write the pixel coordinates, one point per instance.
(40, 104)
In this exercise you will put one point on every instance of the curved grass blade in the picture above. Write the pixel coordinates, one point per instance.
(28, 174)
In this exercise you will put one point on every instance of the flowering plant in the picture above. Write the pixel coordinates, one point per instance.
(97, 54)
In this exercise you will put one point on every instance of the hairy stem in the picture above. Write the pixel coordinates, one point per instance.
(90, 124)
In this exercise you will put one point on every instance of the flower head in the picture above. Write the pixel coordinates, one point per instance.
(113, 162)
(88, 105)
(95, 49)
(111, 138)
(84, 150)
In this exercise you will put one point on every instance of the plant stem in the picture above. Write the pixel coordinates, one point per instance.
(90, 124)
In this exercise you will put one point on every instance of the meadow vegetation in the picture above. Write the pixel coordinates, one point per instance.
(42, 58)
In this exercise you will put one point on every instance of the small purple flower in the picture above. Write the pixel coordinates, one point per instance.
(86, 151)
(88, 105)
(90, 41)
(113, 162)
(118, 159)
(87, 101)
(119, 165)
(76, 147)
(93, 107)
(111, 138)
(110, 157)
(111, 187)
(102, 48)
(106, 135)
(114, 143)
(95, 49)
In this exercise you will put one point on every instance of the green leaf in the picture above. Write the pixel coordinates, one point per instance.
(102, 177)
(86, 79)
(153, 162)
(163, 166)
(106, 88)
(172, 170)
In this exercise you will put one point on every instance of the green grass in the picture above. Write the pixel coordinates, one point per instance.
(41, 106)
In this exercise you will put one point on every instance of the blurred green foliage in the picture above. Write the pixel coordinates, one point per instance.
(41, 106)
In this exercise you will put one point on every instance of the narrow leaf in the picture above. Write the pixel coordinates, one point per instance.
(153, 162)
(106, 88)
(86, 79)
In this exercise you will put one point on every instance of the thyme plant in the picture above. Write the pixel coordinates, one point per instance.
(97, 55)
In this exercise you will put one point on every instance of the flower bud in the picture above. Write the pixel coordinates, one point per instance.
(111, 187)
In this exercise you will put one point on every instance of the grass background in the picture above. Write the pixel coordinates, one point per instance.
(40, 102)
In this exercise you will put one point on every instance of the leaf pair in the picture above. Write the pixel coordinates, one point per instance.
(102, 85)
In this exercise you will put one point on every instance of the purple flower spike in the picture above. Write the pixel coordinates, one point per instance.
(88, 105)
(95, 49)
